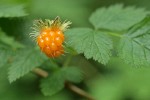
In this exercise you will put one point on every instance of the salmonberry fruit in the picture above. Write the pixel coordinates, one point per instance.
(49, 36)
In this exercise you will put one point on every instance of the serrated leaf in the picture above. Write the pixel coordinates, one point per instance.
(52, 84)
(12, 11)
(94, 44)
(117, 17)
(135, 44)
(7, 44)
(10, 41)
(24, 62)
(56, 81)
(5, 55)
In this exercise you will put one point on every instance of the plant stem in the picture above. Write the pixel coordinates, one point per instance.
(70, 86)
(79, 91)
(115, 34)
(67, 61)
(40, 72)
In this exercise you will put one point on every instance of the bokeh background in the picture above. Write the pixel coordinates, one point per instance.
(115, 81)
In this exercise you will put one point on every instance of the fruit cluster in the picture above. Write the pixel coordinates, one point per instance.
(50, 42)
(49, 36)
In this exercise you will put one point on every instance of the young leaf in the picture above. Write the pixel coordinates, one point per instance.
(12, 11)
(10, 41)
(24, 62)
(135, 44)
(117, 17)
(94, 44)
(56, 81)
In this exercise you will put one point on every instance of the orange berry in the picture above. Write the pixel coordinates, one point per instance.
(47, 50)
(60, 34)
(41, 42)
(49, 36)
(59, 52)
(50, 42)
(58, 41)
(51, 33)
(53, 46)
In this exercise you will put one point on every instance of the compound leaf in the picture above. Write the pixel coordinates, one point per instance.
(5, 55)
(117, 17)
(12, 11)
(94, 44)
(24, 62)
(134, 47)
(10, 41)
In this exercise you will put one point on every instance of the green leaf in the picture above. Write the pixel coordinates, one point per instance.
(24, 62)
(10, 41)
(117, 17)
(56, 81)
(94, 44)
(53, 84)
(12, 11)
(7, 44)
(135, 44)
(5, 55)
(72, 74)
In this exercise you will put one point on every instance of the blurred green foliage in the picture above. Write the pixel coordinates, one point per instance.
(121, 82)
(115, 81)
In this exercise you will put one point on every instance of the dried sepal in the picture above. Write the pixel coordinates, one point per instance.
(65, 25)
(56, 24)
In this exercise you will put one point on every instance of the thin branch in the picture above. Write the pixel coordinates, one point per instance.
(67, 61)
(40, 72)
(114, 34)
(79, 91)
(70, 86)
